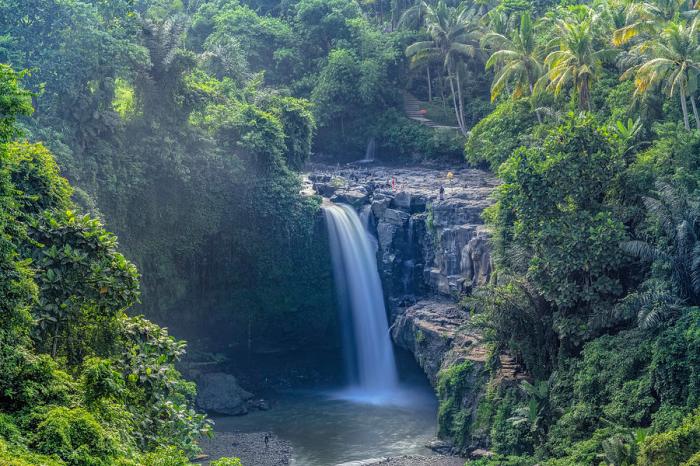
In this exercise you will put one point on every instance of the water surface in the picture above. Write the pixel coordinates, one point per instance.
(331, 426)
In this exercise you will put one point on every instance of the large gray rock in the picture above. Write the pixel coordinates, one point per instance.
(325, 189)
(219, 393)
(410, 201)
(456, 211)
(356, 196)
(475, 263)
(395, 217)
(434, 331)
(430, 329)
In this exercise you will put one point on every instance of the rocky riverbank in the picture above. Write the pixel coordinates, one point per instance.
(410, 460)
(254, 449)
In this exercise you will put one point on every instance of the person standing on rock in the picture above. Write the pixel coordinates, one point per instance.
(442, 192)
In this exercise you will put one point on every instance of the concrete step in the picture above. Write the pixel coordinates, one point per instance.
(413, 109)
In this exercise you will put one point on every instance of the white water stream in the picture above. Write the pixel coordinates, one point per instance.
(367, 345)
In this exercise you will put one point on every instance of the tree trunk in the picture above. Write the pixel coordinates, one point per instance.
(454, 101)
(441, 82)
(54, 346)
(430, 85)
(695, 111)
(462, 125)
(684, 107)
(537, 112)
(584, 100)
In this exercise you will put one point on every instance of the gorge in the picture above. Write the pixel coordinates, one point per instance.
(349, 232)
(401, 246)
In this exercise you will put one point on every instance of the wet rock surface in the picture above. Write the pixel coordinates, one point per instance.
(219, 393)
(251, 448)
(427, 244)
(434, 331)
(410, 460)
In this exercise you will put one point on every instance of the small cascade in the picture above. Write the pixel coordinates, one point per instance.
(370, 151)
(366, 341)
(366, 219)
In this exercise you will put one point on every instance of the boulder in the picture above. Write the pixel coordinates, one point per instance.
(410, 202)
(429, 329)
(356, 196)
(402, 201)
(456, 211)
(475, 264)
(379, 205)
(325, 189)
(395, 217)
(219, 393)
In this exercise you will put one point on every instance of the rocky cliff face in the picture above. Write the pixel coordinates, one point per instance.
(427, 245)
(430, 250)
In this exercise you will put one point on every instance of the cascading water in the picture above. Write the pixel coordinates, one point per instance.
(367, 344)
(369, 152)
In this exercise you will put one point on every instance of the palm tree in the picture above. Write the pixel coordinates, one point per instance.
(517, 60)
(414, 17)
(577, 61)
(674, 62)
(679, 217)
(453, 39)
(649, 18)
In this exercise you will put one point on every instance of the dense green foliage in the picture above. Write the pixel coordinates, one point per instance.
(183, 125)
(595, 234)
(162, 118)
(80, 382)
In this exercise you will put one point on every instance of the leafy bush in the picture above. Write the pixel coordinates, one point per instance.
(100, 381)
(693, 460)
(494, 138)
(76, 437)
(454, 386)
(675, 371)
(672, 447)
(9, 430)
(10, 456)
(159, 399)
(399, 138)
(226, 462)
(164, 456)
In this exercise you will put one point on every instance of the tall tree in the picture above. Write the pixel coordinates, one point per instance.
(415, 17)
(649, 18)
(674, 62)
(454, 40)
(517, 59)
(577, 61)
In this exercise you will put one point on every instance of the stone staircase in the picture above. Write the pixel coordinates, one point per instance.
(509, 370)
(412, 107)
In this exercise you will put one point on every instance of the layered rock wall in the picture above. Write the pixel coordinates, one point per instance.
(427, 245)
(430, 250)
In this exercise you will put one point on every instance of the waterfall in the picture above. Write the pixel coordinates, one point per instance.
(369, 152)
(366, 342)
(371, 148)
